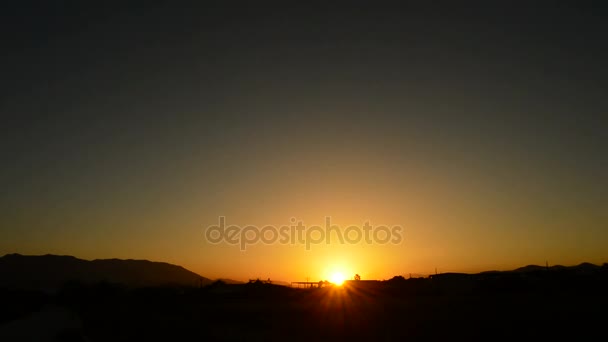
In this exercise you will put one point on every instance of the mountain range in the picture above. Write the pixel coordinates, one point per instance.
(584, 267)
(51, 272)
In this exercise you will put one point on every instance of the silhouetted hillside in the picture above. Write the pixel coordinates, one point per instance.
(51, 272)
(530, 268)
(584, 267)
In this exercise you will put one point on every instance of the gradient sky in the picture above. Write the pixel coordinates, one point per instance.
(480, 129)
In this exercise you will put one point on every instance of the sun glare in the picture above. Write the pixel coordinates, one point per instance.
(337, 278)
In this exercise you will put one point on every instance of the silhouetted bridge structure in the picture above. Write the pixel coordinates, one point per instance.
(307, 284)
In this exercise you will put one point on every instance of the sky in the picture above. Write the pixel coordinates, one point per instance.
(479, 129)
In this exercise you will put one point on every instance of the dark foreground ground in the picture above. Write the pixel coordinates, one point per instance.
(414, 309)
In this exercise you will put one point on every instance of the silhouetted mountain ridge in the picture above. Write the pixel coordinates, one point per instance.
(51, 272)
(585, 266)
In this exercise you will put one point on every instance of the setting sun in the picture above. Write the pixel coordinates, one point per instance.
(337, 278)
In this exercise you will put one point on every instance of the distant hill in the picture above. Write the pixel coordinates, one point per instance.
(530, 268)
(584, 267)
(51, 272)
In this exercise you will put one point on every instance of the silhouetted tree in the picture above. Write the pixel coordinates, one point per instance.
(397, 279)
(357, 277)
